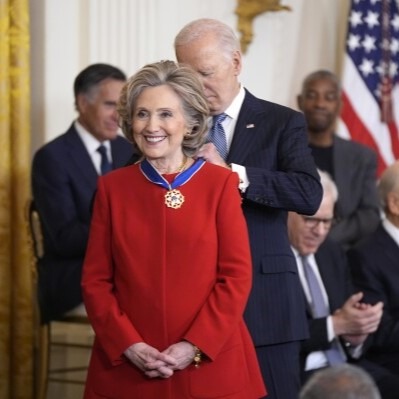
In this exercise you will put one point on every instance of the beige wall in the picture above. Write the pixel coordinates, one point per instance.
(67, 35)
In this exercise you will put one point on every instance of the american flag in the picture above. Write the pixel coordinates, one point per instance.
(370, 112)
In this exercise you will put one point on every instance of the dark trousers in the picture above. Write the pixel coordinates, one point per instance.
(280, 369)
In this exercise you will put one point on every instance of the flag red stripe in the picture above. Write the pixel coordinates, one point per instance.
(393, 132)
(359, 131)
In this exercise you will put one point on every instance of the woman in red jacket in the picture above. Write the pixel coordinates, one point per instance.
(168, 270)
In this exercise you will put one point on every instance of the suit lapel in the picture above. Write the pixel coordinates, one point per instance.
(341, 160)
(387, 243)
(245, 131)
(116, 160)
(327, 273)
(80, 157)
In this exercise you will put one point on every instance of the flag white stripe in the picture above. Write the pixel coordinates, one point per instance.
(367, 109)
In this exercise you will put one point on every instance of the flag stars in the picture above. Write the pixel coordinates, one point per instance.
(385, 44)
(394, 46)
(355, 18)
(395, 22)
(384, 69)
(353, 42)
(366, 67)
(369, 43)
(393, 69)
(381, 68)
(372, 19)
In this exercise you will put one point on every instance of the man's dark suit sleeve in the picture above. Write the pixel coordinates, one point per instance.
(357, 209)
(375, 284)
(292, 183)
(55, 200)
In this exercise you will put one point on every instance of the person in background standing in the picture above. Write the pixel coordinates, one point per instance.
(352, 165)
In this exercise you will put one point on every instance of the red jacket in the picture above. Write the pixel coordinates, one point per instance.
(160, 275)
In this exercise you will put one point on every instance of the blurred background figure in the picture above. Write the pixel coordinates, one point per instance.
(375, 269)
(339, 322)
(352, 166)
(64, 179)
(340, 382)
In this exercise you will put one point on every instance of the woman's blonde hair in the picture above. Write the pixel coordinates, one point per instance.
(185, 83)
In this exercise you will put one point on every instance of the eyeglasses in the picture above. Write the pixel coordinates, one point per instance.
(313, 222)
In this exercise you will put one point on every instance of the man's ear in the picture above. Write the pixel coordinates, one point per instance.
(81, 102)
(237, 62)
(393, 203)
(299, 99)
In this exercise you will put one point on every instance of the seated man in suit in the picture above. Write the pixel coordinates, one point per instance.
(64, 178)
(352, 165)
(339, 322)
(375, 270)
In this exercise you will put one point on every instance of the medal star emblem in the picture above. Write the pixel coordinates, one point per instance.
(174, 199)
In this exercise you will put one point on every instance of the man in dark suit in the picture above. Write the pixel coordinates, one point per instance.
(339, 322)
(351, 165)
(266, 145)
(64, 178)
(375, 270)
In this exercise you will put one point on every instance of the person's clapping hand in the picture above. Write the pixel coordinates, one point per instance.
(355, 320)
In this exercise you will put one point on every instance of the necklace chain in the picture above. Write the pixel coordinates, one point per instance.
(183, 165)
(180, 169)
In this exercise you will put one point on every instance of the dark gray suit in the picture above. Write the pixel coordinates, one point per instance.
(335, 274)
(64, 180)
(270, 141)
(375, 269)
(357, 208)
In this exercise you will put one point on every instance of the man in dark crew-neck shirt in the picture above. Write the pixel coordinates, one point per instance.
(351, 165)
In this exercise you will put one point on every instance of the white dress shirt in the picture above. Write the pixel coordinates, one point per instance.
(229, 125)
(91, 144)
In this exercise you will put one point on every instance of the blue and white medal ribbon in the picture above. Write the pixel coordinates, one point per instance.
(173, 197)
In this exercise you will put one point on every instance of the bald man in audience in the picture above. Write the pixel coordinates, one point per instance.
(341, 382)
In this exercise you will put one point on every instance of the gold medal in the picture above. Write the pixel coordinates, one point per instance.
(174, 199)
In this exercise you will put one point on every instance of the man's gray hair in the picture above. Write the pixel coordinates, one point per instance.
(227, 39)
(329, 187)
(389, 182)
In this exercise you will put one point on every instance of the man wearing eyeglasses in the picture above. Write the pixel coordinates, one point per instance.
(339, 323)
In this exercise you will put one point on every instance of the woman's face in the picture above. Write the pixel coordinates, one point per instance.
(159, 123)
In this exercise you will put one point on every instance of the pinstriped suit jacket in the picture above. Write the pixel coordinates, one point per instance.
(270, 141)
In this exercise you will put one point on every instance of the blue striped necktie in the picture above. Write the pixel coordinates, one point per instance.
(320, 309)
(217, 135)
(105, 164)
